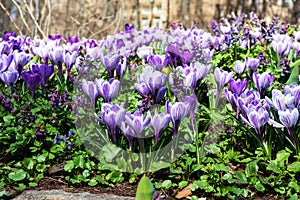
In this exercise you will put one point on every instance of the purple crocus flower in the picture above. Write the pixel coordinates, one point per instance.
(91, 91)
(110, 62)
(21, 59)
(238, 86)
(9, 77)
(121, 68)
(108, 89)
(45, 71)
(138, 124)
(257, 118)
(281, 101)
(142, 89)
(159, 122)
(289, 119)
(56, 56)
(221, 78)
(178, 111)
(155, 82)
(158, 61)
(262, 81)
(112, 116)
(5, 61)
(32, 80)
(69, 59)
(239, 67)
(252, 64)
(72, 40)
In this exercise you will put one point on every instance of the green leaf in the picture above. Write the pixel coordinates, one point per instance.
(241, 177)
(33, 184)
(69, 165)
(259, 187)
(167, 184)
(251, 169)
(4, 193)
(92, 182)
(294, 167)
(79, 161)
(17, 175)
(145, 189)
(28, 163)
(221, 167)
(282, 156)
(199, 184)
(21, 186)
(41, 158)
(8, 118)
(86, 173)
(183, 184)
(40, 167)
(295, 186)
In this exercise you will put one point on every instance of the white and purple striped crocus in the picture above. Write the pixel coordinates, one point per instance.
(90, 90)
(262, 81)
(178, 111)
(9, 77)
(222, 78)
(112, 117)
(138, 123)
(108, 89)
(159, 122)
(239, 67)
(252, 64)
(289, 119)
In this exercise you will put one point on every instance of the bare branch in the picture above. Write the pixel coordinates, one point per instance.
(34, 20)
(22, 17)
(7, 13)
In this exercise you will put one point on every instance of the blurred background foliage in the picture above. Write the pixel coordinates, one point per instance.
(98, 18)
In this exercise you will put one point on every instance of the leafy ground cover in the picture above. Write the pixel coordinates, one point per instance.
(211, 114)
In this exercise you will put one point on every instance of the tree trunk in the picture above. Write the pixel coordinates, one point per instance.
(296, 12)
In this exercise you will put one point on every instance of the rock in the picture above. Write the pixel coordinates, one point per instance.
(62, 195)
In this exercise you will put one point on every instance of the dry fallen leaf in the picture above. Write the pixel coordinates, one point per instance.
(185, 192)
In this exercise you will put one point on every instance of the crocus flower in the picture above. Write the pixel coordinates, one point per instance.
(56, 56)
(21, 59)
(159, 122)
(69, 59)
(178, 111)
(252, 64)
(239, 67)
(158, 61)
(5, 61)
(32, 80)
(112, 116)
(281, 101)
(221, 78)
(289, 119)
(121, 68)
(138, 124)
(144, 51)
(91, 91)
(9, 77)
(262, 81)
(155, 82)
(108, 89)
(110, 62)
(257, 118)
(238, 86)
(45, 71)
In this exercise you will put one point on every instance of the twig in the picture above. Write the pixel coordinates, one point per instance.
(48, 19)
(22, 17)
(121, 15)
(34, 20)
(7, 13)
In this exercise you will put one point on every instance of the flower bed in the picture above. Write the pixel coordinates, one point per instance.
(213, 113)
